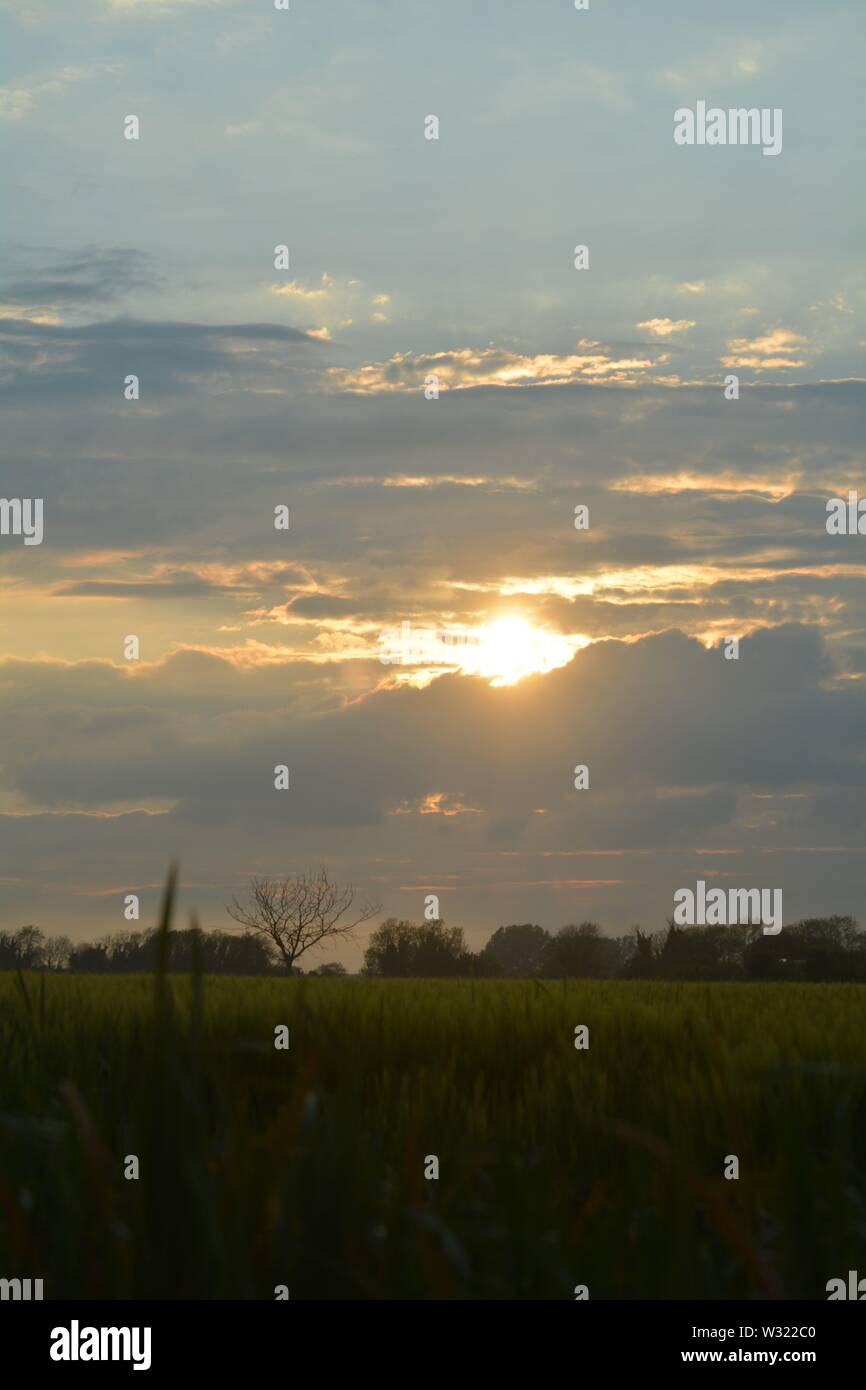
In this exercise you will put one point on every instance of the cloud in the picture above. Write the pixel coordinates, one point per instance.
(661, 695)
(176, 586)
(435, 804)
(157, 6)
(457, 480)
(772, 351)
(323, 606)
(234, 132)
(32, 313)
(39, 359)
(462, 368)
(679, 743)
(663, 328)
(19, 101)
(716, 484)
(189, 485)
(728, 64)
(42, 279)
(333, 299)
(705, 517)
(292, 290)
(197, 735)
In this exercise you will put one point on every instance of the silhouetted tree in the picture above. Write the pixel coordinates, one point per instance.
(580, 952)
(23, 949)
(298, 913)
(89, 958)
(402, 949)
(518, 949)
(704, 953)
(639, 956)
(56, 951)
(390, 950)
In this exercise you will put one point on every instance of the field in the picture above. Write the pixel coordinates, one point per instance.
(305, 1167)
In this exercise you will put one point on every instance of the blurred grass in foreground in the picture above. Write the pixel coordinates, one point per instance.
(558, 1167)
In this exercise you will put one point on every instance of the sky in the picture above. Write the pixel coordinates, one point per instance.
(430, 387)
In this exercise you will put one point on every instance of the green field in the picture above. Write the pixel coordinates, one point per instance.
(305, 1167)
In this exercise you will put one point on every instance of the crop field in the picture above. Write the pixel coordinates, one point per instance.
(304, 1166)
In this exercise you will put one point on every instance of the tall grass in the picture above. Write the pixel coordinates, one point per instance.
(306, 1168)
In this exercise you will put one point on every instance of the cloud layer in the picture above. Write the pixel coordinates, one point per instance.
(431, 388)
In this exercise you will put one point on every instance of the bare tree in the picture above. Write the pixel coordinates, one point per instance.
(56, 952)
(299, 912)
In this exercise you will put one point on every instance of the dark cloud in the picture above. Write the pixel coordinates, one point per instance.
(47, 275)
(758, 758)
(662, 713)
(191, 475)
(49, 361)
(172, 587)
(323, 606)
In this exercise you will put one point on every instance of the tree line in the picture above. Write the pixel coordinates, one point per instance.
(135, 952)
(827, 948)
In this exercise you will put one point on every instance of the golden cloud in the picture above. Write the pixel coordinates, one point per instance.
(463, 368)
(292, 290)
(663, 328)
(711, 483)
(773, 351)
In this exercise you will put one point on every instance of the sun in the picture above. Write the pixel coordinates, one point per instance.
(508, 649)
(503, 651)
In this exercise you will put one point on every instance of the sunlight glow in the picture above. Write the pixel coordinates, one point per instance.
(502, 651)
(510, 648)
